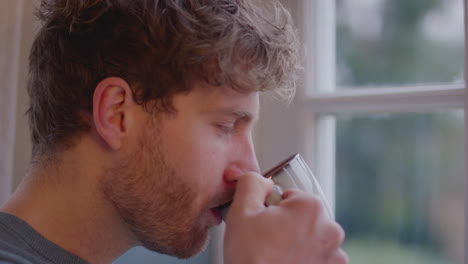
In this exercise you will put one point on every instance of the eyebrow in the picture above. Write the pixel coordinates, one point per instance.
(238, 114)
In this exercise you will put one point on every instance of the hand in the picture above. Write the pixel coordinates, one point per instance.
(295, 231)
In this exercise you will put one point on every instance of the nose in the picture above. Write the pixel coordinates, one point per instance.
(245, 160)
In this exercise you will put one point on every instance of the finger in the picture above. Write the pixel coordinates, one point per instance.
(309, 205)
(338, 257)
(251, 192)
(291, 193)
(275, 196)
(332, 235)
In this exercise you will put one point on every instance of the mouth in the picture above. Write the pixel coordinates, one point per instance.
(217, 215)
(222, 210)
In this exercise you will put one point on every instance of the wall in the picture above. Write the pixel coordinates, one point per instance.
(277, 134)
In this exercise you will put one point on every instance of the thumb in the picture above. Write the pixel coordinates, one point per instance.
(251, 193)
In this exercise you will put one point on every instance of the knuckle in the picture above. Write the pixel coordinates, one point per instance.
(254, 181)
(265, 183)
(336, 234)
(310, 204)
(250, 179)
(339, 257)
(331, 236)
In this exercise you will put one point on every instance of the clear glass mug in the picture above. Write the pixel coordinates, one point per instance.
(293, 173)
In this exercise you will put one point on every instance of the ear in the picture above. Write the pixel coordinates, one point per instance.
(112, 101)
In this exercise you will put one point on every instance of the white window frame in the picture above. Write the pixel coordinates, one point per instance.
(466, 126)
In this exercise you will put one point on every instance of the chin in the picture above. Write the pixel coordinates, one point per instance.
(196, 250)
(182, 246)
(197, 247)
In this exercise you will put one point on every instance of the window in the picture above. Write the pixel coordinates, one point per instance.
(380, 118)
(383, 115)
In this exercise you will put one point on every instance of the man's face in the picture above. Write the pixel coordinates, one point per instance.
(185, 165)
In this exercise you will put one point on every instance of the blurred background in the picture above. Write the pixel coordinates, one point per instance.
(394, 171)
(399, 176)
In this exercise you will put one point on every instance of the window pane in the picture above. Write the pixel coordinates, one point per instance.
(400, 187)
(399, 42)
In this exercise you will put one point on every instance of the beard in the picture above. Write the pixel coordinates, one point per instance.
(154, 201)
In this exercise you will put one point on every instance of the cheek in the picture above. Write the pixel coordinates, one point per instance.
(198, 158)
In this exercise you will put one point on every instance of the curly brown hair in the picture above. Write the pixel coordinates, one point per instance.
(160, 47)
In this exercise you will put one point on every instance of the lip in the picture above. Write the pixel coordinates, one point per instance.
(223, 209)
(217, 215)
(218, 209)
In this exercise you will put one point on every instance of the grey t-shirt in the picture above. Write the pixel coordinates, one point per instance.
(21, 244)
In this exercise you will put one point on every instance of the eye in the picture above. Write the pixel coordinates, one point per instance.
(226, 127)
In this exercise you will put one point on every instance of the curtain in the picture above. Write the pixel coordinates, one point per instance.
(17, 25)
(9, 52)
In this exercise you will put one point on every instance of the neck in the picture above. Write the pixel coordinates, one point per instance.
(60, 204)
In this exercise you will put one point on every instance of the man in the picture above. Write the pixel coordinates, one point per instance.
(141, 117)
